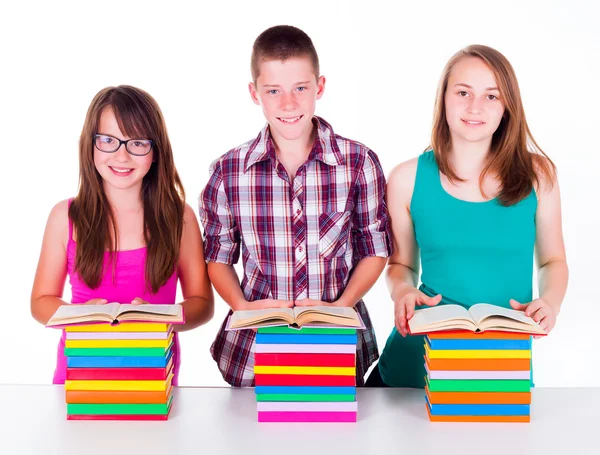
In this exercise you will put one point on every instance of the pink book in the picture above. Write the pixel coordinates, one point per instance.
(306, 406)
(267, 416)
(484, 374)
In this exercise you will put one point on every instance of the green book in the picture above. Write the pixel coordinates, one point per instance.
(479, 385)
(304, 397)
(307, 331)
(119, 409)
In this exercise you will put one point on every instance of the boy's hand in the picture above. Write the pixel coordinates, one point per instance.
(312, 302)
(404, 307)
(96, 302)
(267, 303)
(540, 311)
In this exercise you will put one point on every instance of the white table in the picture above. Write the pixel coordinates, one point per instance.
(210, 421)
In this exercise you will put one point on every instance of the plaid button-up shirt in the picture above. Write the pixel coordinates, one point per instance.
(299, 239)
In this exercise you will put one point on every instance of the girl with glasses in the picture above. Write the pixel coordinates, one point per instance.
(128, 236)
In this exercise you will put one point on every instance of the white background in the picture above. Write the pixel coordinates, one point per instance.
(382, 62)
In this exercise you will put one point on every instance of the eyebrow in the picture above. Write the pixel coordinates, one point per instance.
(297, 83)
(468, 86)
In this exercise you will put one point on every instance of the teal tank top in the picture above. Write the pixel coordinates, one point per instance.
(471, 252)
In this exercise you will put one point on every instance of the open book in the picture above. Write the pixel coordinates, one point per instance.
(115, 313)
(478, 318)
(324, 316)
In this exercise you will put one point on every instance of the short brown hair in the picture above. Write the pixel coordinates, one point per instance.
(282, 42)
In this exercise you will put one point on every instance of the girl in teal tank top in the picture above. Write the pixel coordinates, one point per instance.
(473, 248)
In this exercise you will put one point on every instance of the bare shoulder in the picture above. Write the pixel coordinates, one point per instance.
(546, 173)
(401, 180)
(189, 216)
(57, 225)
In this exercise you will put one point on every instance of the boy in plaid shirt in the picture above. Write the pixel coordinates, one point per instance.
(305, 206)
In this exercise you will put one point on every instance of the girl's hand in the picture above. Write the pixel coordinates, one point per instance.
(138, 301)
(95, 302)
(540, 311)
(404, 307)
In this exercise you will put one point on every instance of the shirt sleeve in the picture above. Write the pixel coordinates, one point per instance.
(371, 234)
(221, 233)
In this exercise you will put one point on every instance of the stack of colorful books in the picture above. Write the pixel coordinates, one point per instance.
(305, 375)
(119, 372)
(478, 377)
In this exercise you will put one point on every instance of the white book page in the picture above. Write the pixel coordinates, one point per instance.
(75, 310)
(482, 311)
(346, 312)
(437, 314)
(258, 315)
(150, 308)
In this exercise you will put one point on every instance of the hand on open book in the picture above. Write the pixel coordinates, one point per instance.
(268, 303)
(540, 311)
(404, 307)
(96, 302)
(138, 301)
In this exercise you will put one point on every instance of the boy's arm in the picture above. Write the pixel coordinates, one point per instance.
(222, 245)
(371, 242)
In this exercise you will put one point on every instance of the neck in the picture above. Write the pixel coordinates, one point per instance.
(295, 149)
(124, 200)
(469, 158)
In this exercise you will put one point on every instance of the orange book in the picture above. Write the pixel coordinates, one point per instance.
(468, 335)
(116, 396)
(478, 397)
(478, 364)
(522, 419)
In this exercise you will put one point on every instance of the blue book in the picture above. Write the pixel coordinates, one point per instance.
(452, 344)
(479, 409)
(265, 338)
(305, 390)
(119, 362)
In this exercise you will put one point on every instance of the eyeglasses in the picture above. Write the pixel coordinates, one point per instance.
(110, 144)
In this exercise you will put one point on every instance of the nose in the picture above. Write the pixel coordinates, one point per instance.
(288, 102)
(121, 154)
(475, 106)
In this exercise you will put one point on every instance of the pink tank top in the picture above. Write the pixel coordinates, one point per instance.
(129, 282)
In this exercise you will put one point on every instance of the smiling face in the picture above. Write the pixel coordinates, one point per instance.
(474, 109)
(287, 90)
(120, 170)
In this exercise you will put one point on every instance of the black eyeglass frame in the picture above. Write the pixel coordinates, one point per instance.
(121, 142)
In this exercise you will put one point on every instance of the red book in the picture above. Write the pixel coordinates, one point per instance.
(304, 380)
(305, 360)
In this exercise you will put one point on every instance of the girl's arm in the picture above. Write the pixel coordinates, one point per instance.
(51, 271)
(553, 273)
(198, 304)
(402, 273)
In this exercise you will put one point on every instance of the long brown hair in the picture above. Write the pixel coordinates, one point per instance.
(514, 155)
(162, 194)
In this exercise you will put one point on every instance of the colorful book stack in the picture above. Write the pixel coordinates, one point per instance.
(306, 375)
(483, 377)
(120, 372)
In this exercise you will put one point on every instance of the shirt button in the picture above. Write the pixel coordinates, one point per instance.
(298, 212)
(300, 249)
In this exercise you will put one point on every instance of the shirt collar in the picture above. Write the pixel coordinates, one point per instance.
(325, 147)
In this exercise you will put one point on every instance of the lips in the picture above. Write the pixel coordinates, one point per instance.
(472, 122)
(290, 120)
(121, 171)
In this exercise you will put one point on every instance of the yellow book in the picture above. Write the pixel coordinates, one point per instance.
(123, 327)
(325, 371)
(478, 354)
(119, 343)
(141, 385)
